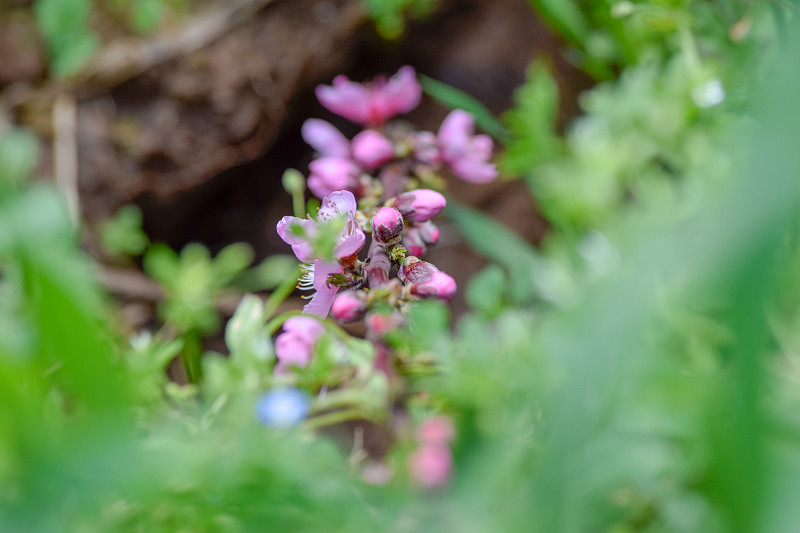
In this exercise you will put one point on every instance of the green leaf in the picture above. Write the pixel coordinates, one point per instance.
(531, 123)
(123, 234)
(499, 244)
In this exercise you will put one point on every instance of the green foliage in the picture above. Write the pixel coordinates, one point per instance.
(123, 235)
(389, 15)
(532, 123)
(65, 27)
(192, 280)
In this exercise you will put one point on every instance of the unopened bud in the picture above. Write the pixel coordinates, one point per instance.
(387, 224)
(420, 205)
(383, 323)
(438, 285)
(349, 306)
(412, 270)
(371, 149)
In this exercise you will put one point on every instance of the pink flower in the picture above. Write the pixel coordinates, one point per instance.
(431, 464)
(339, 204)
(330, 174)
(420, 205)
(466, 154)
(294, 346)
(374, 103)
(371, 149)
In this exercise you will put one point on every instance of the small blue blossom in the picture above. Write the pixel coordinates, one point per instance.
(282, 408)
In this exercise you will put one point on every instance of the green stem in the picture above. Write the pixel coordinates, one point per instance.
(335, 417)
(280, 294)
(190, 355)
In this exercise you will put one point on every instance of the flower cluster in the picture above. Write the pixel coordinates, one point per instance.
(381, 182)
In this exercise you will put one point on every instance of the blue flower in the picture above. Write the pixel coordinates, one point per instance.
(282, 408)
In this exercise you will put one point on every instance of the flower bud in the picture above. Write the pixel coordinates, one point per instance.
(331, 174)
(349, 306)
(430, 465)
(371, 149)
(438, 285)
(420, 205)
(412, 270)
(426, 149)
(387, 224)
(383, 323)
(436, 430)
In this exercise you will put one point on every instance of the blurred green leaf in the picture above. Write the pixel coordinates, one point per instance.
(65, 26)
(531, 123)
(123, 235)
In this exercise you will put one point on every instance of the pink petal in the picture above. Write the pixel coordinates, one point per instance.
(474, 170)
(325, 138)
(336, 204)
(345, 98)
(300, 247)
(454, 134)
(322, 301)
(402, 92)
(309, 328)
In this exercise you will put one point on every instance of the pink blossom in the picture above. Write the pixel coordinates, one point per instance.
(374, 103)
(371, 149)
(323, 137)
(295, 345)
(330, 174)
(339, 204)
(431, 465)
(466, 154)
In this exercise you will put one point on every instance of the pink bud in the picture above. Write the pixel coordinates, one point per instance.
(387, 224)
(428, 232)
(331, 174)
(383, 323)
(436, 430)
(438, 285)
(412, 270)
(466, 154)
(413, 242)
(371, 149)
(431, 464)
(349, 306)
(420, 205)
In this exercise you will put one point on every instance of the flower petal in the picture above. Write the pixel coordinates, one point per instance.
(345, 98)
(336, 204)
(322, 301)
(325, 138)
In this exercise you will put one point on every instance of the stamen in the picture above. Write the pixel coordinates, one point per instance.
(306, 281)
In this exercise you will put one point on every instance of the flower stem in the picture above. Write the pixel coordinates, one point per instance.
(190, 355)
(280, 294)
